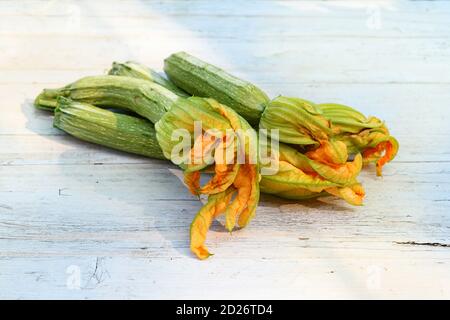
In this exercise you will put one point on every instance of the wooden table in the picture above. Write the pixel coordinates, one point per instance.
(82, 221)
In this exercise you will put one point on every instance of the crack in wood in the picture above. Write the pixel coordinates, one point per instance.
(432, 244)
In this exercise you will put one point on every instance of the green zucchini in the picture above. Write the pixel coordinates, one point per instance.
(117, 131)
(148, 99)
(205, 80)
(136, 70)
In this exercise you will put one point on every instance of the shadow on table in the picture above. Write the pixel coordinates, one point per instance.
(89, 164)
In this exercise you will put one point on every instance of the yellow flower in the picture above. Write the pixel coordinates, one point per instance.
(234, 188)
(312, 162)
(368, 136)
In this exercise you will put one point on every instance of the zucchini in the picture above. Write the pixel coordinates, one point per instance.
(205, 80)
(148, 99)
(117, 131)
(136, 70)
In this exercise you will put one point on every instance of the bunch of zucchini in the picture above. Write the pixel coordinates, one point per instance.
(321, 151)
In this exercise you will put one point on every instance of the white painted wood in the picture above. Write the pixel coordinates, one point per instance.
(123, 220)
(312, 59)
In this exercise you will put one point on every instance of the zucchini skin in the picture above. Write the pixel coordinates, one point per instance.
(148, 99)
(114, 130)
(136, 70)
(202, 79)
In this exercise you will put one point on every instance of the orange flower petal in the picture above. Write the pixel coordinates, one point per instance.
(200, 225)
(224, 177)
(353, 194)
(382, 153)
(342, 173)
(244, 183)
(330, 152)
(192, 180)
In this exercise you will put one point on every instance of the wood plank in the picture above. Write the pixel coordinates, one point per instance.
(291, 20)
(361, 60)
(305, 277)
(148, 238)
(60, 149)
(148, 196)
(250, 8)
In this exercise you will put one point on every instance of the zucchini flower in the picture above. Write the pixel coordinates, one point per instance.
(360, 134)
(299, 121)
(213, 136)
(300, 177)
(314, 163)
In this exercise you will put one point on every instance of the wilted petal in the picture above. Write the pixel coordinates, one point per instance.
(224, 177)
(230, 176)
(382, 153)
(290, 177)
(192, 181)
(200, 225)
(343, 174)
(329, 152)
(352, 194)
(323, 161)
(246, 200)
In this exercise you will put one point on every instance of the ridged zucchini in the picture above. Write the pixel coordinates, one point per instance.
(205, 80)
(136, 70)
(107, 128)
(145, 98)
